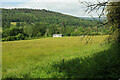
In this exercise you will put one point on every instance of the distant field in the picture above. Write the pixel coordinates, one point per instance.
(33, 58)
(13, 23)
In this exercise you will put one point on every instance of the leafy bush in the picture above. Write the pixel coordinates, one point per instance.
(3, 39)
(39, 34)
(75, 34)
(10, 38)
(20, 36)
(12, 31)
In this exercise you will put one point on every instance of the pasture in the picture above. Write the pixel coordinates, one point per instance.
(38, 58)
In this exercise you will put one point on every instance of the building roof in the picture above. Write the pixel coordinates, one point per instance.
(57, 34)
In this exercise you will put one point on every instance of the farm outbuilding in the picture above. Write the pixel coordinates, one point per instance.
(57, 35)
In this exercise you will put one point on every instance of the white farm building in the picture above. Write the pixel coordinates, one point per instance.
(57, 35)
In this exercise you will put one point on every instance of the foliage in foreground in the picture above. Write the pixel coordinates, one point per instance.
(74, 62)
(104, 64)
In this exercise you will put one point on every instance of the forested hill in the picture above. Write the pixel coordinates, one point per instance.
(94, 18)
(23, 24)
(50, 17)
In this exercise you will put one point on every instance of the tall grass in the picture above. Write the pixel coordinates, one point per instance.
(104, 64)
(58, 58)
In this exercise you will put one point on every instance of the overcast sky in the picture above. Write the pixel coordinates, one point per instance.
(70, 7)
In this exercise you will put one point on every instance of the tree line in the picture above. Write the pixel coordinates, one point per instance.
(20, 24)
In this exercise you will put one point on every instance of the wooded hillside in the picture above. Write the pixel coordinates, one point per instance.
(30, 23)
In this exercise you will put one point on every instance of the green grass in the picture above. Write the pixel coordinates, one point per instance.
(104, 64)
(43, 58)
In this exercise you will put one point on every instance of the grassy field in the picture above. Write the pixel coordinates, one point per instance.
(43, 58)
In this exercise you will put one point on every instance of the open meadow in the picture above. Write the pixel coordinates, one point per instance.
(60, 40)
(43, 58)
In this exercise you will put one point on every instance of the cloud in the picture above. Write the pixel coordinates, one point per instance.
(52, 0)
(70, 8)
(40, 0)
(114, 0)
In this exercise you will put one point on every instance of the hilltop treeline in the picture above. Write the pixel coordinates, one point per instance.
(22, 24)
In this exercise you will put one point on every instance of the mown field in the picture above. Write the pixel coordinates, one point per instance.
(51, 57)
